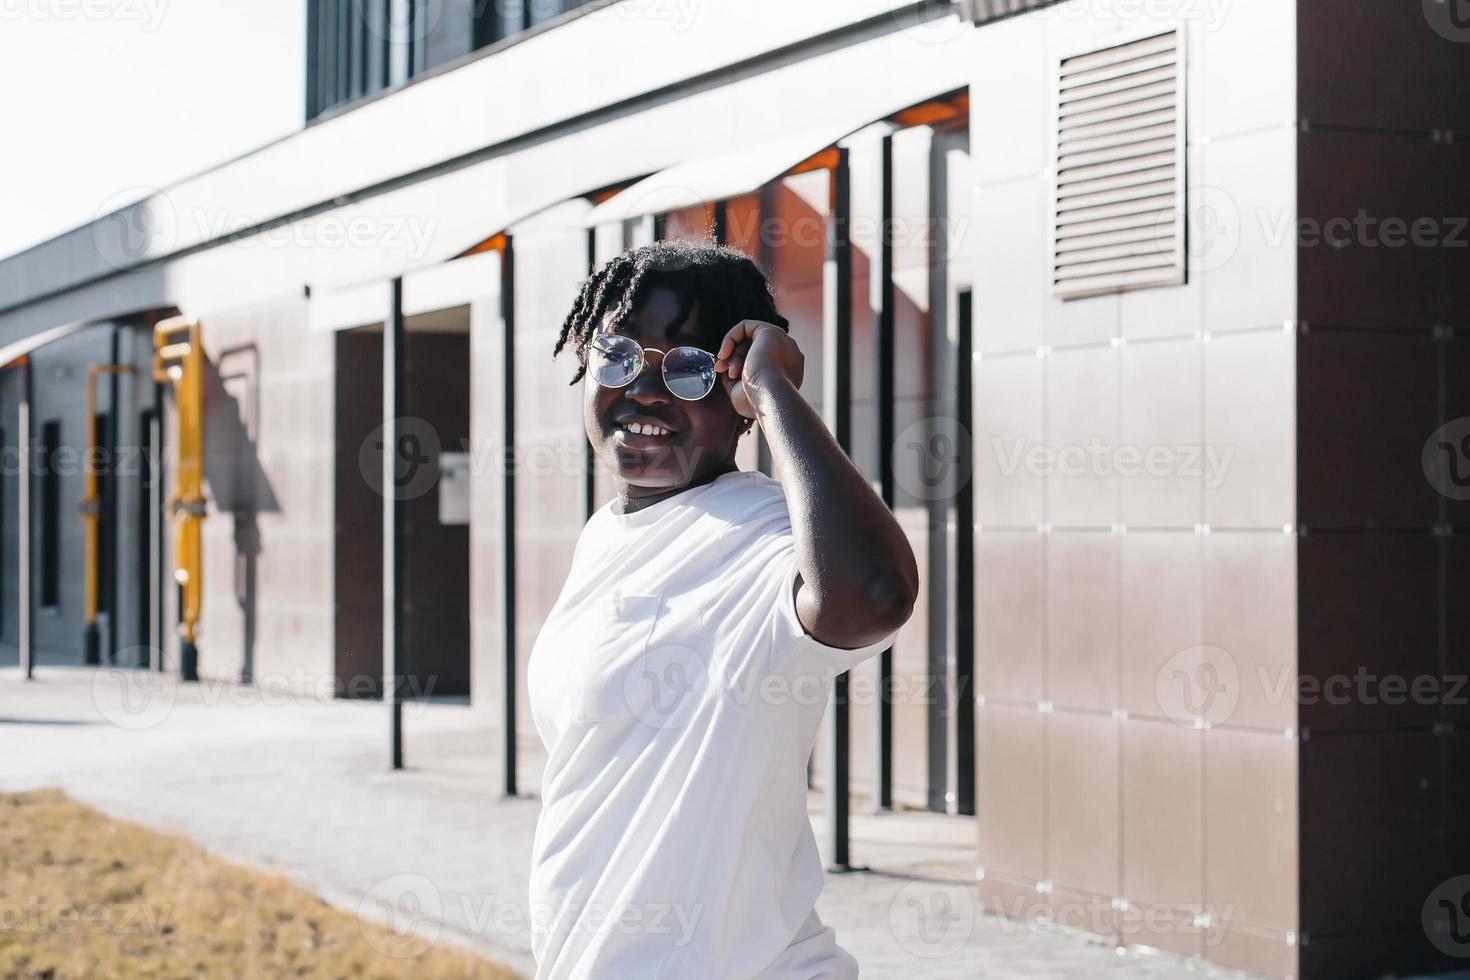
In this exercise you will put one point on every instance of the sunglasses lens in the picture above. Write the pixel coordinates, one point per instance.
(689, 372)
(613, 360)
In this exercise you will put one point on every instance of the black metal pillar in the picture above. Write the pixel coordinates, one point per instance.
(394, 537)
(837, 405)
(720, 226)
(508, 515)
(23, 522)
(940, 406)
(108, 543)
(765, 257)
(157, 502)
(964, 615)
(885, 388)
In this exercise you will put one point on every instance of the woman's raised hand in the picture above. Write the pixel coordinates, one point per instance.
(755, 353)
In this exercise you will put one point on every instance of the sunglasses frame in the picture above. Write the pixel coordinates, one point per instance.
(663, 361)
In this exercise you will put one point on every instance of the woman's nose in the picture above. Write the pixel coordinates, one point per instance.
(649, 385)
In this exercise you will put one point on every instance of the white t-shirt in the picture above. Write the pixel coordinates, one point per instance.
(679, 698)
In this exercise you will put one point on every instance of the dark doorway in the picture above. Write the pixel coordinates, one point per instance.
(438, 531)
(49, 499)
(358, 552)
(436, 534)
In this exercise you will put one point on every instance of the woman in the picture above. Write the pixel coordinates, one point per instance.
(680, 679)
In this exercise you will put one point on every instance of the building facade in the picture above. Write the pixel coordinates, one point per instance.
(1074, 290)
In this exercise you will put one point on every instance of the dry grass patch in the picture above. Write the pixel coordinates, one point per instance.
(84, 896)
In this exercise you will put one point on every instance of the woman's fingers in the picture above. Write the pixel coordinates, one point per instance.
(733, 360)
(733, 347)
(730, 358)
(729, 341)
(742, 333)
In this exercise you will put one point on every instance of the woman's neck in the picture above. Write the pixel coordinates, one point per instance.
(630, 499)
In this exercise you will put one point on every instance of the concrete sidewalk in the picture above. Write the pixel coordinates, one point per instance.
(294, 784)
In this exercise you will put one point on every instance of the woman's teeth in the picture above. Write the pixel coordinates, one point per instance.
(644, 429)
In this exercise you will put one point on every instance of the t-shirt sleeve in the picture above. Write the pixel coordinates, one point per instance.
(765, 572)
(806, 651)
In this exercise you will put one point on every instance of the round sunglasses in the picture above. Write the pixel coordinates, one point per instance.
(615, 361)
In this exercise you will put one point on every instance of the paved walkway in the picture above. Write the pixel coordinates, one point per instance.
(297, 785)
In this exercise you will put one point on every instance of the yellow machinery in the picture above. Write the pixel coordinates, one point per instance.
(92, 505)
(178, 360)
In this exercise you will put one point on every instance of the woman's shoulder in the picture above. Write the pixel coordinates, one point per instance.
(748, 498)
(749, 487)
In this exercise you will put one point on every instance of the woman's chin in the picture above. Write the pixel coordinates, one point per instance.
(651, 477)
(662, 467)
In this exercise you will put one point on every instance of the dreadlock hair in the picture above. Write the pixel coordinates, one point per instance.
(726, 284)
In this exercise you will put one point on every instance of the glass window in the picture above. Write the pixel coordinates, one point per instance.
(357, 47)
(448, 30)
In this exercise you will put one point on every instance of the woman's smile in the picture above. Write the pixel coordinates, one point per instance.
(641, 431)
(635, 429)
(637, 435)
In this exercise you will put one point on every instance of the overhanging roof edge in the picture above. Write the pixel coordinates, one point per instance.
(13, 352)
(438, 256)
(733, 172)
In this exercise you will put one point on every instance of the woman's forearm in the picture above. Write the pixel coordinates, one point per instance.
(859, 576)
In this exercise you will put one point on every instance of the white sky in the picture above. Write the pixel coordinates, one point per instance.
(103, 100)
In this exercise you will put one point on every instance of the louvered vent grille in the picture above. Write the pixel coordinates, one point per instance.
(1120, 170)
